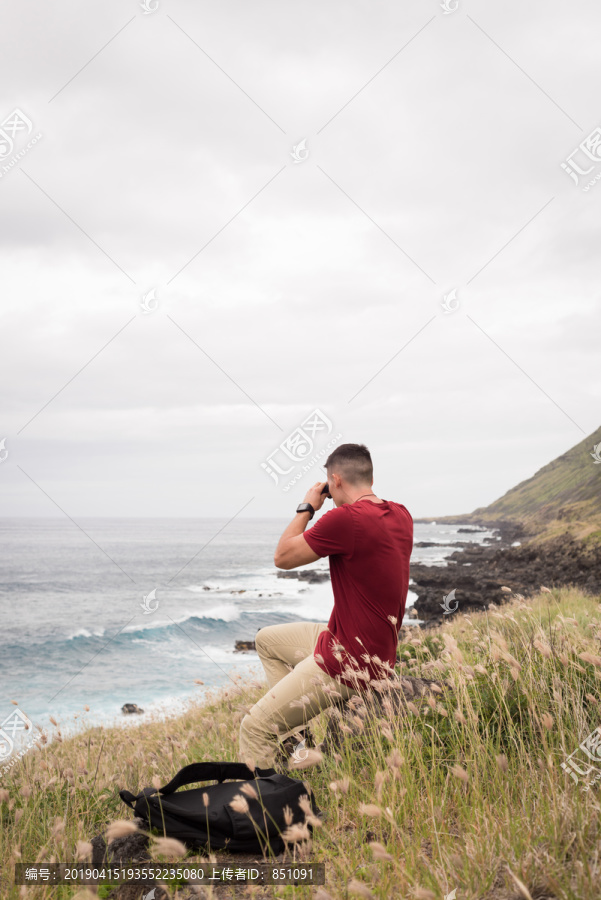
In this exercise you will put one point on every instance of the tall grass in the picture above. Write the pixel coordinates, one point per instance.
(460, 791)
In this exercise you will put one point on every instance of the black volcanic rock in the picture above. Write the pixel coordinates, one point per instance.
(244, 646)
(439, 543)
(310, 575)
(478, 573)
(123, 850)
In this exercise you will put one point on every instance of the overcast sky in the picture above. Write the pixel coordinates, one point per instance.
(431, 164)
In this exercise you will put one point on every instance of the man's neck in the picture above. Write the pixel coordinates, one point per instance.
(363, 495)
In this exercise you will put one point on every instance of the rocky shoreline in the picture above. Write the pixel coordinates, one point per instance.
(478, 572)
(309, 575)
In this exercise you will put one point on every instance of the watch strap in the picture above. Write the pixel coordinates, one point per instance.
(306, 507)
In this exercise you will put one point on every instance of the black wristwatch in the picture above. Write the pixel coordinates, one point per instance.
(306, 507)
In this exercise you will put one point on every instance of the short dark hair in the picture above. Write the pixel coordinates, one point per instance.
(353, 462)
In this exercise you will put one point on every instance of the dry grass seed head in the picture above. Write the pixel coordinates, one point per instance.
(590, 658)
(502, 762)
(460, 773)
(297, 832)
(394, 758)
(379, 780)
(543, 648)
(386, 731)
(169, 847)
(83, 851)
(120, 828)
(358, 889)
(380, 852)
(250, 791)
(239, 804)
(369, 809)
(424, 894)
(305, 804)
(342, 785)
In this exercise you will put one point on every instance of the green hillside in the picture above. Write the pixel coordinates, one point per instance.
(562, 497)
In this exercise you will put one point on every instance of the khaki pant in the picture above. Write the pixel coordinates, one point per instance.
(281, 711)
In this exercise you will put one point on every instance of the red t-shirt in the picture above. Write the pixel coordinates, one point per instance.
(369, 545)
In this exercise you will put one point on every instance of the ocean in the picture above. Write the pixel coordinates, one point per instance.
(77, 630)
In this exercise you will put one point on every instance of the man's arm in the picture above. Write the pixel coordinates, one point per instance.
(292, 549)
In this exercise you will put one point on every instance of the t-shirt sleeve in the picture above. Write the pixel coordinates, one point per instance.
(332, 534)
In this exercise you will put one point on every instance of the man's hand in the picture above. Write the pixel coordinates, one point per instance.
(314, 495)
(292, 549)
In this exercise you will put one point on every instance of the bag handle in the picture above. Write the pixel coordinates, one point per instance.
(128, 798)
(207, 771)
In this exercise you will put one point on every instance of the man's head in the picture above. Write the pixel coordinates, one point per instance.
(350, 472)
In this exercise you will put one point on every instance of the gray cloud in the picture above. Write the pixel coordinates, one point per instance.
(309, 278)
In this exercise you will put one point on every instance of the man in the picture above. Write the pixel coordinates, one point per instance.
(311, 665)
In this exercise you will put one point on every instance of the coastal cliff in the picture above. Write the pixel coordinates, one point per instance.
(550, 534)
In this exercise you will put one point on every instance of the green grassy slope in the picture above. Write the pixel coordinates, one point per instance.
(563, 496)
(434, 799)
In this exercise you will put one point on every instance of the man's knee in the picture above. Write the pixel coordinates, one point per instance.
(261, 638)
(264, 639)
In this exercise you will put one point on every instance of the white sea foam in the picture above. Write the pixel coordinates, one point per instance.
(225, 612)
(83, 632)
(268, 586)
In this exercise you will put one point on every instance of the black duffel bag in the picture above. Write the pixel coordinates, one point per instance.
(218, 826)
